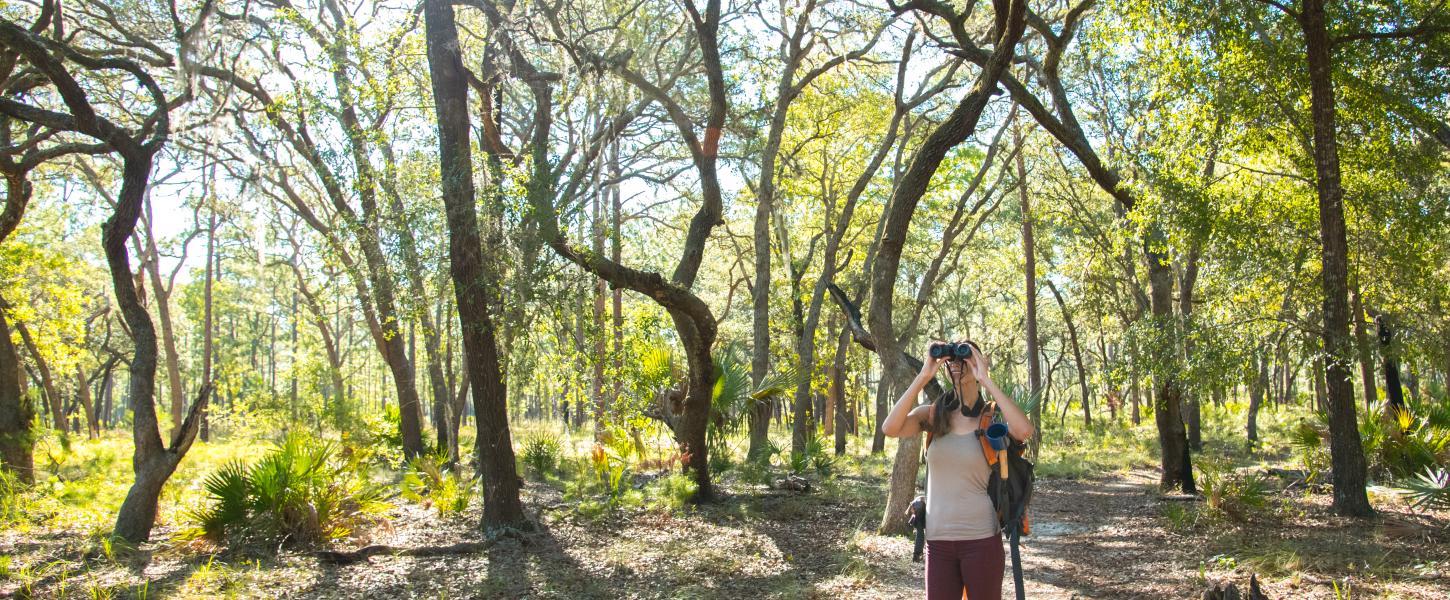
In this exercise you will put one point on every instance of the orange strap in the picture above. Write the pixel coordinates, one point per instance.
(983, 423)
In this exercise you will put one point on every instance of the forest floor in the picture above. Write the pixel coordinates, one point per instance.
(1108, 536)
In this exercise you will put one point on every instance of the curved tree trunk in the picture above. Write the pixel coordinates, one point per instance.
(152, 461)
(16, 413)
(1087, 415)
(957, 127)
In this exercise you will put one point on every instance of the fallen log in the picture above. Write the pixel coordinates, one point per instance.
(369, 551)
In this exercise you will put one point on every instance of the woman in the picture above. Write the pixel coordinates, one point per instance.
(963, 543)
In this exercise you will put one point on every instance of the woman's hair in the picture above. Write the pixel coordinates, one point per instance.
(940, 422)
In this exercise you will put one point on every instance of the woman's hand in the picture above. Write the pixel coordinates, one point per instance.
(980, 364)
(929, 365)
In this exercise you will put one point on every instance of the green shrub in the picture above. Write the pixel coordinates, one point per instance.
(1237, 495)
(671, 492)
(1308, 443)
(1403, 442)
(542, 452)
(816, 457)
(299, 493)
(609, 471)
(1431, 489)
(12, 500)
(428, 482)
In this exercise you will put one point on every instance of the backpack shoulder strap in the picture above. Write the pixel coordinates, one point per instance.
(983, 422)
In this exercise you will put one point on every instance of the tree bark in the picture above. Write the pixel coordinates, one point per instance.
(1029, 273)
(1087, 415)
(207, 324)
(838, 391)
(1186, 284)
(16, 414)
(1362, 348)
(1346, 451)
(1389, 357)
(162, 293)
(47, 383)
(1257, 390)
(475, 285)
(1167, 386)
(83, 395)
(597, 331)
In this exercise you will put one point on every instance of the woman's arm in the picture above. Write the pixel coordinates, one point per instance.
(905, 417)
(1018, 425)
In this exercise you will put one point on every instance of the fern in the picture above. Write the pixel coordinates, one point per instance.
(297, 493)
(1431, 489)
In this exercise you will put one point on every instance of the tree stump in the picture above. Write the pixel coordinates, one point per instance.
(1231, 591)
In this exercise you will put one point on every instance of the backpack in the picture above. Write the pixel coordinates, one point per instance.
(1010, 496)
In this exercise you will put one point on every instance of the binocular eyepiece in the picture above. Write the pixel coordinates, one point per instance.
(952, 350)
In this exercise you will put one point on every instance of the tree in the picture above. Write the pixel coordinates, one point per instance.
(694, 322)
(1008, 24)
(475, 287)
(1345, 450)
(152, 460)
(373, 278)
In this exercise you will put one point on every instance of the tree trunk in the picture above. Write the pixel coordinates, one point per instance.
(152, 460)
(883, 397)
(1029, 273)
(615, 254)
(207, 325)
(163, 314)
(598, 332)
(413, 264)
(16, 414)
(475, 285)
(1167, 386)
(83, 394)
(1320, 404)
(903, 486)
(838, 390)
(1346, 451)
(1257, 390)
(1390, 357)
(1087, 415)
(47, 383)
(1192, 406)
(1362, 348)
(1137, 400)
(455, 417)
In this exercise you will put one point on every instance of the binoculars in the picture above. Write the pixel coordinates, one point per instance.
(952, 351)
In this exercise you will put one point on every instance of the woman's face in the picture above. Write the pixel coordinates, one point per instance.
(961, 375)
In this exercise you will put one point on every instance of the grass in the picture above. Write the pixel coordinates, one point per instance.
(80, 483)
(699, 551)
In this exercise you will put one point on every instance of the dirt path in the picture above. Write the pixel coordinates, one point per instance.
(1092, 539)
(1098, 538)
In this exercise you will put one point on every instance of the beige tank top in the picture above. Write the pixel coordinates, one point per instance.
(957, 506)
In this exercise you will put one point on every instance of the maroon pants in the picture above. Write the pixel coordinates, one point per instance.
(973, 566)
